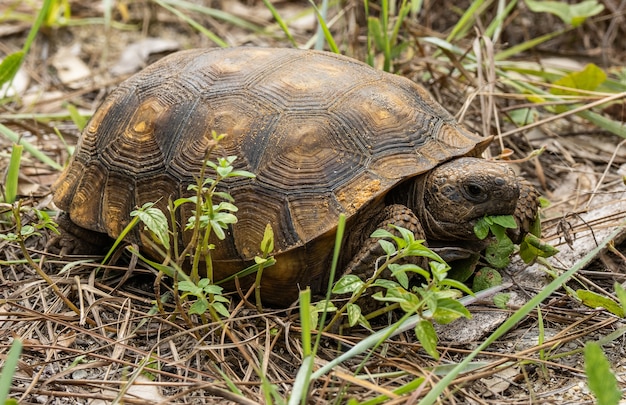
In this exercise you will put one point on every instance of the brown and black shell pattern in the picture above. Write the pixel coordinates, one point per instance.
(323, 133)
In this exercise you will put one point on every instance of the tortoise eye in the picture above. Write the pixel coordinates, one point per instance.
(475, 192)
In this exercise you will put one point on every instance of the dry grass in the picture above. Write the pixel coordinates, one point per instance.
(118, 348)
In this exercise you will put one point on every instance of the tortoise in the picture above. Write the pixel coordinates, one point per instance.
(324, 134)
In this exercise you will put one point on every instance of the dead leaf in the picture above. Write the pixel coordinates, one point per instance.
(70, 67)
(500, 381)
(135, 56)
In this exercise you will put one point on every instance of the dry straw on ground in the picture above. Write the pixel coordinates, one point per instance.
(118, 346)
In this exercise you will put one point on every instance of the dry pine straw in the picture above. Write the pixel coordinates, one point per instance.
(115, 342)
(95, 352)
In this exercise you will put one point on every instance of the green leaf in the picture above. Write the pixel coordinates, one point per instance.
(501, 300)
(417, 248)
(448, 310)
(224, 196)
(602, 381)
(224, 171)
(481, 228)
(347, 284)
(27, 230)
(408, 268)
(225, 206)
(388, 247)
(457, 285)
(324, 306)
(426, 334)
(199, 307)
(407, 235)
(332, 45)
(29, 147)
(574, 14)
(382, 233)
(486, 278)
(211, 288)
(9, 67)
(79, 120)
(221, 309)
(154, 219)
(410, 304)
(190, 287)
(220, 298)
(595, 300)
(394, 294)
(399, 272)
(621, 295)
(498, 253)
(505, 221)
(532, 247)
(588, 79)
(242, 173)
(281, 23)
(267, 244)
(218, 229)
(11, 361)
(180, 201)
(354, 314)
(384, 283)
(224, 218)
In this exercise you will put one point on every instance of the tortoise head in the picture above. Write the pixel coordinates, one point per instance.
(459, 192)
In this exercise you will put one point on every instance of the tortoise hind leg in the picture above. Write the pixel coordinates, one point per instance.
(76, 240)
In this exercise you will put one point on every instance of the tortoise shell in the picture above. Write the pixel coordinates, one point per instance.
(324, 135)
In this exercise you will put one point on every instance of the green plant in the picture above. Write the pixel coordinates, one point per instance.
(383, 31)
(11, 64)
(498, 253)
(213, 212)
(437, 293)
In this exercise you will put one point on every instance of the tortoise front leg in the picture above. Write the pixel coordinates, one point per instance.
(363, 263)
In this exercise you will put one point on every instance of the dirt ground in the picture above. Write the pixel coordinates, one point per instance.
(118, 348)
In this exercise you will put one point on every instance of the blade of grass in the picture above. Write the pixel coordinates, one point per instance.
(385, 28)
(13, 172)
(319, 43)
(465, 21)
(301, 384)
(517, 316)
(281, 23)
(30, 148)
(193, 23)
(43, 13)
(10, 363)
(327, 34)
(496, 26)
(212, 12)
(530, 44)
(303, 377)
